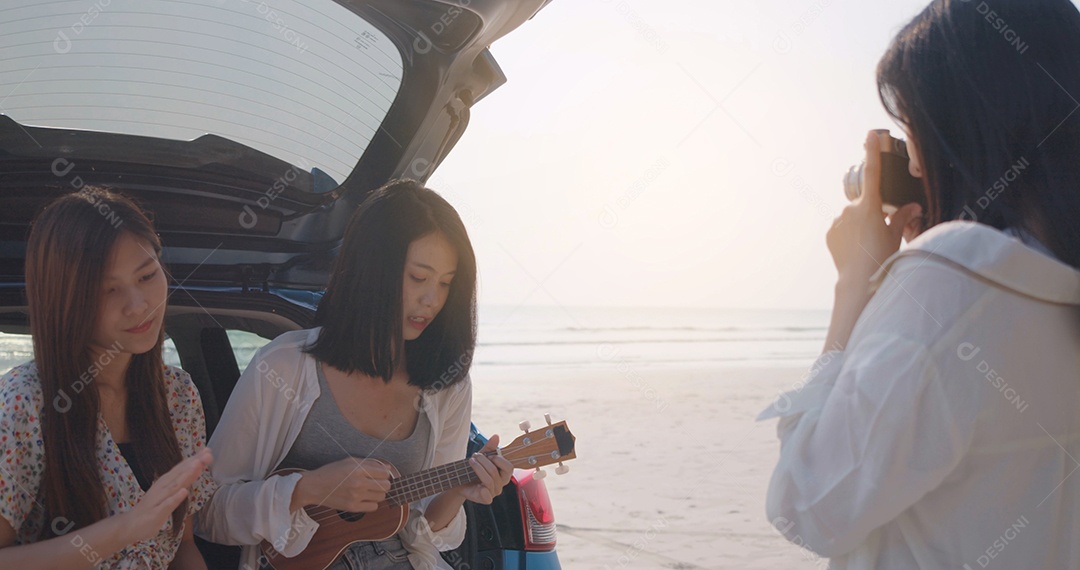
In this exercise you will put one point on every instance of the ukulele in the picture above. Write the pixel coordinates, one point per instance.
(339, 529)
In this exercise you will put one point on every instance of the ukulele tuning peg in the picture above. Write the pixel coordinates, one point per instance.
(540, 473)
(562, 469)
(525, 425)
(548, 418)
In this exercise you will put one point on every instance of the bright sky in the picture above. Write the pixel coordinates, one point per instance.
(678, 153)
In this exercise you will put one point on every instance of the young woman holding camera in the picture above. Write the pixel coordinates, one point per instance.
(940, 427)
(102, 446)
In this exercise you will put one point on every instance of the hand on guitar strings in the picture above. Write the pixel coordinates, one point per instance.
(494, 473)
(352, 485)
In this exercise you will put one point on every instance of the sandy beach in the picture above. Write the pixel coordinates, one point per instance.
(671, 470)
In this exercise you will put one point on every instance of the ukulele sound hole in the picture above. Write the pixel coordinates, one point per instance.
(351, 517)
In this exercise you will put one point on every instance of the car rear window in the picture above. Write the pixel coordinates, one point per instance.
(307, 83)
(244, 345)
(16, 349)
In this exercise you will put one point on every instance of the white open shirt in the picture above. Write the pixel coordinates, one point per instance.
(261, 421)
(947, 434)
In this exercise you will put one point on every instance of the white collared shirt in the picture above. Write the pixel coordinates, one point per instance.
(947, 434)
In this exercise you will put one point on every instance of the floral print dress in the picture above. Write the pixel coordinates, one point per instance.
(22, 463)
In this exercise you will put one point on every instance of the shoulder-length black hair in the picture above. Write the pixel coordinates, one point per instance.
(361, 311)
(66, 255)
(989, 90)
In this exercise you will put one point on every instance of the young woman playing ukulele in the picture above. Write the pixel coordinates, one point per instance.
(384, 376)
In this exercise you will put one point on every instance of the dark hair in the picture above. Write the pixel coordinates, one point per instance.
(67, 251)
(361, 311)
(985, 89)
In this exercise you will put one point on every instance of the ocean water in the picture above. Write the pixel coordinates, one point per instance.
(559, 337)
(579, 337)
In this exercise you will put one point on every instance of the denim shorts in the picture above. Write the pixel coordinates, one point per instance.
(387, 554)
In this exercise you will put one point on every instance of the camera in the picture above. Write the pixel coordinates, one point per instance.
(898, 186)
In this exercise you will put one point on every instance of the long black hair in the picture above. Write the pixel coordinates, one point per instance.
(988, 90)
(361, 311)
(67, 252)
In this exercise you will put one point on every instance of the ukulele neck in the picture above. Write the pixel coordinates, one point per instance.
(432, 482)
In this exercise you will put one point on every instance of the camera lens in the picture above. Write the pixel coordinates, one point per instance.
(853, 182)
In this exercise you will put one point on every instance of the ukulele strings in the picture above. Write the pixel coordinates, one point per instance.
(322, 514)
(327, 515)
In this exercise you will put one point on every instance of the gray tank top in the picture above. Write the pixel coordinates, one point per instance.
(327, 436)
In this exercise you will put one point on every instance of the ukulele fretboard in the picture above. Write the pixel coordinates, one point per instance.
(431, 482)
